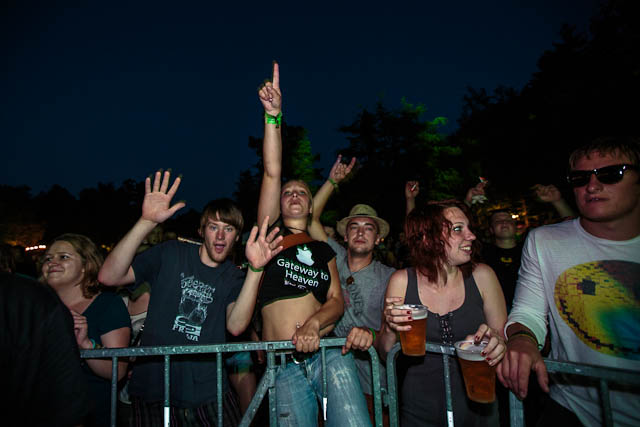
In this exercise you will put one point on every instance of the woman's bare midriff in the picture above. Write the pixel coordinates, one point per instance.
(280, 317)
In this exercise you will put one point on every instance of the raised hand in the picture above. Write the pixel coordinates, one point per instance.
(547, 193)
(157, 200)
(339, 170)
(411, 189)
(270, 94)
(476, 194)
(261, 247)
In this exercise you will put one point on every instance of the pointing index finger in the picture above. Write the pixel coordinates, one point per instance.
(276, 75)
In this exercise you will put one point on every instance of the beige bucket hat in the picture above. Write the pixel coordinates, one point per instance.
(362, 210)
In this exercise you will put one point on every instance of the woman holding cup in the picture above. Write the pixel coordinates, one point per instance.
(465, 302)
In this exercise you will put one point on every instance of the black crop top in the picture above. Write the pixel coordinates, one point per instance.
(297, 271)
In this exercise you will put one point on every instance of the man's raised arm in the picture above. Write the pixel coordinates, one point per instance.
(339, 171)
(156, 209)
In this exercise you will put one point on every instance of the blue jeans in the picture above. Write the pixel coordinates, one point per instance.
(299, 389)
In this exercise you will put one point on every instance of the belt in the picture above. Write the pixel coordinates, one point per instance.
(295, 356)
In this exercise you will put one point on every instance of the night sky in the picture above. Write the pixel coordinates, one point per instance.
(95, 93)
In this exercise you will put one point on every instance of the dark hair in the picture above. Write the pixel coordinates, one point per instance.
(497, 211)
(92, 260)
(425, 231)
(224, 210)
(625, 145)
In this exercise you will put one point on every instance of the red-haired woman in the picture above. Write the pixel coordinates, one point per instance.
(465, 301)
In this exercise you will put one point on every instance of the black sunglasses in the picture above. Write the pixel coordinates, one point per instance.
(606, 175)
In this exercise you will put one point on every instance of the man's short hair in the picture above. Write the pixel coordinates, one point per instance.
(611, 145)
(224, 210)
(497, 211)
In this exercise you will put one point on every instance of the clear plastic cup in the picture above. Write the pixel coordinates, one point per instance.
(413, 341)
(479, 376)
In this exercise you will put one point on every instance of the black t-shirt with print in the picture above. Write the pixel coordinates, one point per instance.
(188, 305)
(297, 271)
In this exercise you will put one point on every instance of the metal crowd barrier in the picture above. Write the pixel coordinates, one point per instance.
(516, 410)
(266, 384)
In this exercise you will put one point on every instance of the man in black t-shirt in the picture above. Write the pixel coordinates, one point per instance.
(196, 293)
(504, 254)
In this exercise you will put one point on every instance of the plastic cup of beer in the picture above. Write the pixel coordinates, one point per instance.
(413, 341)
(479, 376)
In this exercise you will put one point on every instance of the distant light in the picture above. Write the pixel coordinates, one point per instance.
(515, 216)
(35, 248)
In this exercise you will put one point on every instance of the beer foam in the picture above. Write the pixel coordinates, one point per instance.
(419, 315)
(418, 312)
(467, 350)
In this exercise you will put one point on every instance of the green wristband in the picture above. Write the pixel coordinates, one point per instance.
(273, 120)
(373, 333)
(335, 184)
(256, 270)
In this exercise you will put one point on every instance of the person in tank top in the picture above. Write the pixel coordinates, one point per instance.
(465, 302)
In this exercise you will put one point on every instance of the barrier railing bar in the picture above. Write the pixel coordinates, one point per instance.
(604, 374)
(600, 372)
(323, 354)
(377, 392)
(267, 382)
(114, 390)
(219, 386)
(447, 389)
(392, 387)
(271, 371)
(516, 411)
(606, 403)
(167, 397)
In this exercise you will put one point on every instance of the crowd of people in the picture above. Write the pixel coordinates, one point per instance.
(305, 281)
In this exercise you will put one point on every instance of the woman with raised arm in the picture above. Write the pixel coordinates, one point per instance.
(465, 301)
(300, 298)
(70, 266)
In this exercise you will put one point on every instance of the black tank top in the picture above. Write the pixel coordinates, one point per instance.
(457, 324)
(423, 397)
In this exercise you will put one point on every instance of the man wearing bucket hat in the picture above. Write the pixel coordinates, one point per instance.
(363, 280)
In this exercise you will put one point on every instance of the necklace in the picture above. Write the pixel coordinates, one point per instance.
(350, 280)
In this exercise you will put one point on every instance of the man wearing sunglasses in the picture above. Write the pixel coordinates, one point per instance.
(583, 278)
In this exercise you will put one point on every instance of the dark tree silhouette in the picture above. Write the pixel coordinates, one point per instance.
(587, 86)
(393, 146)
